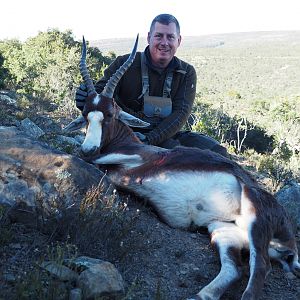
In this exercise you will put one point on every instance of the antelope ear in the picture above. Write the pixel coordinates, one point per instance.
(78, 123)
(131, 121)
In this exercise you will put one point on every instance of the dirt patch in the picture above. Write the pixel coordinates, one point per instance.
(156, 261)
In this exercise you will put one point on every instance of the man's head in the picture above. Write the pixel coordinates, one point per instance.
(163, 38)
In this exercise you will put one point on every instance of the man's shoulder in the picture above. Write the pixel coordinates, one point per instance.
(181, 65)
(124, 57)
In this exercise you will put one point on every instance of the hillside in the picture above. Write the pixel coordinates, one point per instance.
(242, 76)
(123, 45)
(255, 76)
(258, 64)
(157, 262)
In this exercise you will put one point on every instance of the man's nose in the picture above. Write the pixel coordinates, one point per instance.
(164, 40)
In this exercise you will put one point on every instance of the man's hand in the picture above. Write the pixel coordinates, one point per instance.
(142, 137)
(80, 96)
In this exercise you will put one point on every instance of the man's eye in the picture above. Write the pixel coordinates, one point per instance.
(109, 115)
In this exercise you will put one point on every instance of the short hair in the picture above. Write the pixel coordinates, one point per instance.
(165, 19)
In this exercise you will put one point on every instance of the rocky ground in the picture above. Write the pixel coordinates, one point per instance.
(155, 261)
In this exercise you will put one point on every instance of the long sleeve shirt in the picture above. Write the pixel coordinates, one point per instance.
(129, 89)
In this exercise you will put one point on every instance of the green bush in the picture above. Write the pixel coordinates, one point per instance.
(3, 72)
(46, 66)
(239, 133)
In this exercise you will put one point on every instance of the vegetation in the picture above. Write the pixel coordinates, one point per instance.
(102, 227)
(248, 98)
(248, 93)
(46, 66)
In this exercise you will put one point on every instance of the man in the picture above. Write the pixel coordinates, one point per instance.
(158, 88)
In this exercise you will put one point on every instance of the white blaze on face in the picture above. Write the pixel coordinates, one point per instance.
(96, 100)
(94, 131)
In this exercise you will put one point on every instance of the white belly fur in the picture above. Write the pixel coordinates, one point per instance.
(193, 197)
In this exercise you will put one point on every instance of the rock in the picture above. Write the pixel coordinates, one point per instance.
(61, 272)
(7, 99)
(38, 183)
(82, 263)
(101, 280)
(31, 129)
(46, 124)
(17, 190)
(9, 278)
(66, 139)
(79, 138)
(289, 197)
(97, 277)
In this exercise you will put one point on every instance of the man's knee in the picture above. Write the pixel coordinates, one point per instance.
(220, 149)
(201, 141)
(169, 144)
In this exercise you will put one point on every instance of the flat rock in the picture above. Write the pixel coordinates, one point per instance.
(34, 177)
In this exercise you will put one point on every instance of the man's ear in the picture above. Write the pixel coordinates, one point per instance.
(148, 37)
(131, 120)
(78, 123)
(179, 40)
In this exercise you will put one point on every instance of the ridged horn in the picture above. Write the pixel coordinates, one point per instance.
(110, 86)
(84, 71)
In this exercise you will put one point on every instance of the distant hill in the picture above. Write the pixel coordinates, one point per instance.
(255, 74)
(242, 39)
(256, 65)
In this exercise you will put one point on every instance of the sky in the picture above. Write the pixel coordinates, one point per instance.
(125, 18)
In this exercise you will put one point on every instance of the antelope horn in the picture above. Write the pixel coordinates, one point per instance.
(84, 71)
(110, 86)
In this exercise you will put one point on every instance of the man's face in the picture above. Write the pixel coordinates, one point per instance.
(163, 43)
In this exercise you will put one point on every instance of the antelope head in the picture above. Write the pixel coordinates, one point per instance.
(100, 110)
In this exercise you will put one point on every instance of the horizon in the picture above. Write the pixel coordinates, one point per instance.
(196, 18)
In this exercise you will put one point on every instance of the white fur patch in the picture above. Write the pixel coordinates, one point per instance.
(128, 161)
(225, 235)
(183, 198)
(94, 131)
(96, 100)
(253, 253)
(228, 234)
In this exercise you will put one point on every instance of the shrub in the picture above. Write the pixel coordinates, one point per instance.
(3, 72)
(237, 132)
(46, 66)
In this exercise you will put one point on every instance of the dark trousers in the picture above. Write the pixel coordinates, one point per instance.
(193, 139)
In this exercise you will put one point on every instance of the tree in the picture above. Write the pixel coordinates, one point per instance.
(3, 72)
(46, 65)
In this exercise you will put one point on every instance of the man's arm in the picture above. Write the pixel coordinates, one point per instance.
(182, 107)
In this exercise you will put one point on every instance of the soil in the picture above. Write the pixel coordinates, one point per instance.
(157, 262)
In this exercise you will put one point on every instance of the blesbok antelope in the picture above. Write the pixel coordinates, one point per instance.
(189, 187)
